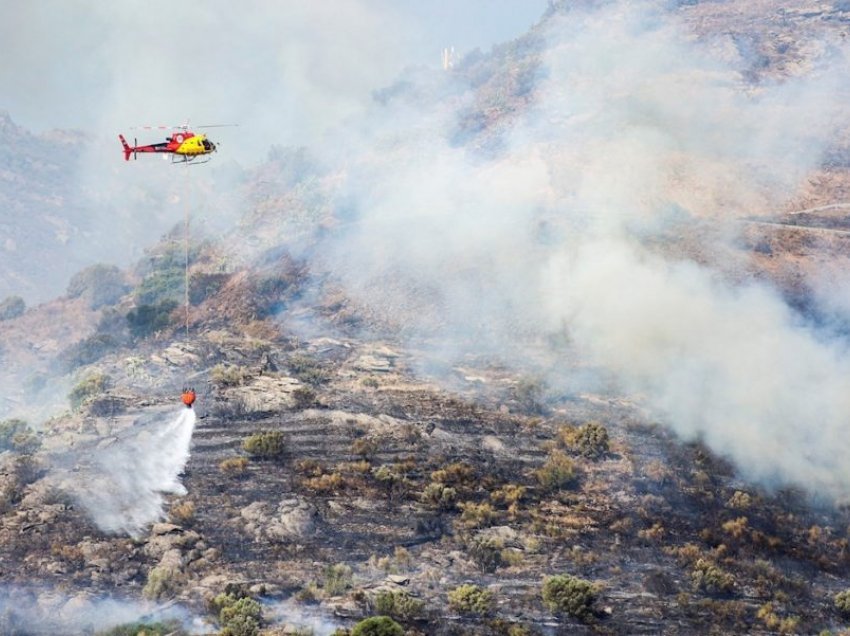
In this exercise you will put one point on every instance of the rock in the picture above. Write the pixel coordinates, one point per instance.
(265, 589)
(55, 567)
(492, 444)
(373, 364)
(503, 534)
(159, 529)
(265, 393)
(398, 579)
(169, 539)
(292, 518)
(172, 559)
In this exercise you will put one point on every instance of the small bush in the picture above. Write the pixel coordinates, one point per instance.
(364, 447)
(324, 483)
(590, 440)
(147, 319)
(165, 628)
(163, 285)
(307, 370)
(182, 513)
(458, 475)
(233, 466)
(740, 501)
(377, 626)
(338, 578)
(471, 599)
(477, 515)
(88, 350)
(708, 577)
(842, 602)
(224, 375)
(304, 397)
(736, 528)
(439, 496)
(12, 307)
(487, 553)
(528, 393)
(99, 284)
(16, 435)
(558, 472)
(774, 622)
(567, 594)
(202, 286)
(508, 495)
(162, 581)
(94, 384)
(397, 604)
(267, 445)
(238, 616)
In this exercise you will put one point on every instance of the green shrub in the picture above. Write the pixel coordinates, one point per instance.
(842, 601)
(237, 615)
(267, 444)
(477, 515)
(233, 466)
(162, 581)
(88, 350)
(338, 578)
(458, 475)
(202, 286)
(439, 496)
(365, 447)
(12, 307)
(528, 393)
(147, 318)
(486, 552)
(567, 594)
(99, 284)
(307, 370)
(377, 626)
(224, 375)
(591, 440)
(161, 286)
(304, 397)
(16, 435)
(92, 385)
(471, 599)
(558, 472)
(164, 273)
(397, 604)
(708, 577)
(165, 628)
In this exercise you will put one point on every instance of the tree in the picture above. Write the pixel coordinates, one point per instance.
(377, 626)
(567, 594)
(100, 284)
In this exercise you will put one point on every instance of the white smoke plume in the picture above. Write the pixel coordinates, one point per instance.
(609, 214)
(43, 611)
(296, 615)
(122, 485)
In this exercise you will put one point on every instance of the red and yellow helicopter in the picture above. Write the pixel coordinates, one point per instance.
(183, 145)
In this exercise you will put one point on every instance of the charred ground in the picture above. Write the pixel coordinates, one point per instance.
(349, 471)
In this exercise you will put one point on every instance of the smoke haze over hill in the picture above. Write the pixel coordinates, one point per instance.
(636, 134)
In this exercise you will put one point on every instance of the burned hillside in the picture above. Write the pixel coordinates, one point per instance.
(552, 341)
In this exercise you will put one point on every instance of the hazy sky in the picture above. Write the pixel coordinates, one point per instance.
(285, 70)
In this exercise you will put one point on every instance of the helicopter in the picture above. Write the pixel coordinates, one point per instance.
(183, 145)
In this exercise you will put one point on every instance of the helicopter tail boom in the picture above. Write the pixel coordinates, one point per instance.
(127, 149)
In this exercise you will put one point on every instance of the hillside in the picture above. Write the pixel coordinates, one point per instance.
(550, 343)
